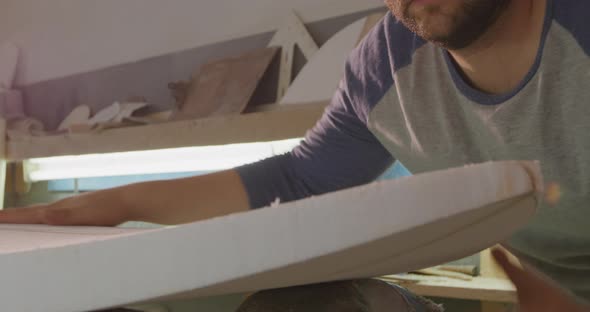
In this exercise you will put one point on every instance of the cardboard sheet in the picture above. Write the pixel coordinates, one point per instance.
(225, 86)
(319, 78)
(382, 228)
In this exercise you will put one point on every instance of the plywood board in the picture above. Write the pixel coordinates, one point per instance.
(224, 87)
(382, 228)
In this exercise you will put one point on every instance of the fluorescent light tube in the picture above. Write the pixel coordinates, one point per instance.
(189, 159)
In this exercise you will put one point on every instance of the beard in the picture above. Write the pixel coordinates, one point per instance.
(452, 27)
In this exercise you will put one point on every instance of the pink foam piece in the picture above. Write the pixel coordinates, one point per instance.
(9, 54)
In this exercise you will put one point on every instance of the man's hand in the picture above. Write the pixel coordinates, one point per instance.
(102, 208)
(535, 292)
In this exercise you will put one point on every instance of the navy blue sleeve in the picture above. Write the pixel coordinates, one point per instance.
(338, 153)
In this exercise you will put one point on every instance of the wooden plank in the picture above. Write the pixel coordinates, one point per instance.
(293, 33)
(470, 270)
(439, 272)
(281, 123)
(224, 87)
(480, 288)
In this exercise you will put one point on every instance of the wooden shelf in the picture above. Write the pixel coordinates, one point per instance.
(480, 288)
(281, 122)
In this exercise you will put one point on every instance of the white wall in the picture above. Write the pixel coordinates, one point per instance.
(64, 37)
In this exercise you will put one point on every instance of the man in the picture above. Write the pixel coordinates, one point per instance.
(437, 84)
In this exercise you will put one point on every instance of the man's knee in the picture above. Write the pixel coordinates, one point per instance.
(337, 296)
(348, 296)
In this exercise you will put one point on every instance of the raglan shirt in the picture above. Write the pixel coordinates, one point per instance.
(403, 97)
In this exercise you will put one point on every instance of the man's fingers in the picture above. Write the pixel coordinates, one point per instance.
(528, 283)
(28, 215)
(38, 214)
(521, 279)
(502, 259)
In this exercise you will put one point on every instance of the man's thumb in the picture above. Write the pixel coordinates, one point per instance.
(517, 275)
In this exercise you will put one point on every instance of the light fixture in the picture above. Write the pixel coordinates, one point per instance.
(188, 159)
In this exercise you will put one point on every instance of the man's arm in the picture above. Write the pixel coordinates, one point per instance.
(339, 152)
(164, 202)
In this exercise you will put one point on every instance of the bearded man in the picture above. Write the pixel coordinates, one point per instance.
(436, 84)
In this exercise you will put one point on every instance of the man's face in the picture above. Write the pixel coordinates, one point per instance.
(452, 24)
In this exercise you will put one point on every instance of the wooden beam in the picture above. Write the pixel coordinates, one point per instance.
(277, 124)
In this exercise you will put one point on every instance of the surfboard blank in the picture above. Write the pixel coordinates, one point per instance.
(381, 228)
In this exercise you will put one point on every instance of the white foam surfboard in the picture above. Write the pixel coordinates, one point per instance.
(382, 228)
(319, 78)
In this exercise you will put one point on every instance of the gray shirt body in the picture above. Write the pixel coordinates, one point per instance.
(404, 99)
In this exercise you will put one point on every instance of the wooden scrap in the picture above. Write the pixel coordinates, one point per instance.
(80, 128)
(79, 115)
(106, 115)
(443, 273)
(127, 110)
(224, 87)
(292, 34)
(153, 118)
(470, 270)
